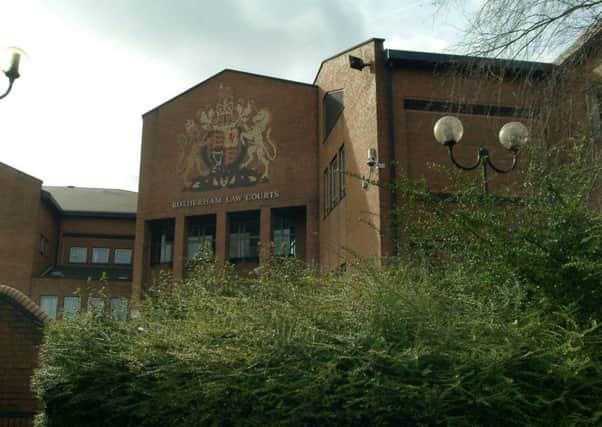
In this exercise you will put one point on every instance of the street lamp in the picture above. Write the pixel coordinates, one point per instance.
(449, 130)
(11, 67)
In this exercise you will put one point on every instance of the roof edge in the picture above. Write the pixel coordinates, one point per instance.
(431, 59)
(26, 303)
(190, 89)
(21, 172)
(349, 49)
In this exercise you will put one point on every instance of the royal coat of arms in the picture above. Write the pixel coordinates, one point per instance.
(226, 145)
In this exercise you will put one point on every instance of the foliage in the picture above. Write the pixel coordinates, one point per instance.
(375, 346)
(527, 28)
(549, 238)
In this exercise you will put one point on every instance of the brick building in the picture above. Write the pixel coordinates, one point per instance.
(249, 164)
(245, 166)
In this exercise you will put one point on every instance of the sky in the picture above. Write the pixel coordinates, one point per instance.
(95, 66)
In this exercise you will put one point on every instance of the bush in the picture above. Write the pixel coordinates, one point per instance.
(379, 346)
(490, 317)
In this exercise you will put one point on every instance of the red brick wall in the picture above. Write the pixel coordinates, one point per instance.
(20, 338)
(352, 227)
(292, 173)
(19, 236)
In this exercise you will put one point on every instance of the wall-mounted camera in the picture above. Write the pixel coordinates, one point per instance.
(372, 163)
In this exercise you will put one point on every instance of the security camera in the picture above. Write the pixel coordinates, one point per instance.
(371, 158)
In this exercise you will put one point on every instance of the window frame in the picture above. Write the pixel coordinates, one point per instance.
(84, 248)
(108, 257)
(56, 304)
(118, 250)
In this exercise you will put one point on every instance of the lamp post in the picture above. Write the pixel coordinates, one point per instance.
(449, 131)
(11, 69)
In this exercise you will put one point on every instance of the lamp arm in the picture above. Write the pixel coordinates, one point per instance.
(500, 170)
(450, 149)
(10, 86)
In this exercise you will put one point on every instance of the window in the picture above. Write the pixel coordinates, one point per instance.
(43, 245)
(119, 308)
(96, 306)
(341, 172)
(48, 305)
(594, 112)
(244, 236)
(70, 307)
(78, 255)
(326, 193)
(333, 106)
(100, 255)
(201, 236)
(123, 256)
(162, 241)
(285, 243)
(333, 183)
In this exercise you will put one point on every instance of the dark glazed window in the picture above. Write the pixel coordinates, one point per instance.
(326, 192)
(341, 172)
(285, 242)
(333, 107)
(244, 236)
(162, 241)
(201, 236)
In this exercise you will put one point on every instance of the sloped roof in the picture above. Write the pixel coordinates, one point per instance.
(84, 200)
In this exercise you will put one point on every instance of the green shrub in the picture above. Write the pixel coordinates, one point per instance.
(379, 346)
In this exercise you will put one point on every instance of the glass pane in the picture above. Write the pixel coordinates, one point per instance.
(70, 307)
(119, 308)
(100, 255)
(78, 255)
(123, 256)
(96, 306)
(48, 304)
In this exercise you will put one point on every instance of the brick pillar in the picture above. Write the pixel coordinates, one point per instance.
(221, 237)
(265, 233)
(179, 247)
(141, 259)
(312, 242)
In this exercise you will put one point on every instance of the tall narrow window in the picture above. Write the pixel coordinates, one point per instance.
(244, 236)
(326, 193)
(333, 107)
(70, 307)
(96, 306)
(333, 183)
(119, 308)
(162, 241)
(341, 172)
(48, 305)
(201, 236)
(285, 241)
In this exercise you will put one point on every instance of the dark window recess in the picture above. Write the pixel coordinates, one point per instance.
(333, 183)
(333, 107)
(341, 172)
(244, 236)
(326, 193)
(450, 107)
(162, 237)
(201, 236)
(285, 241)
